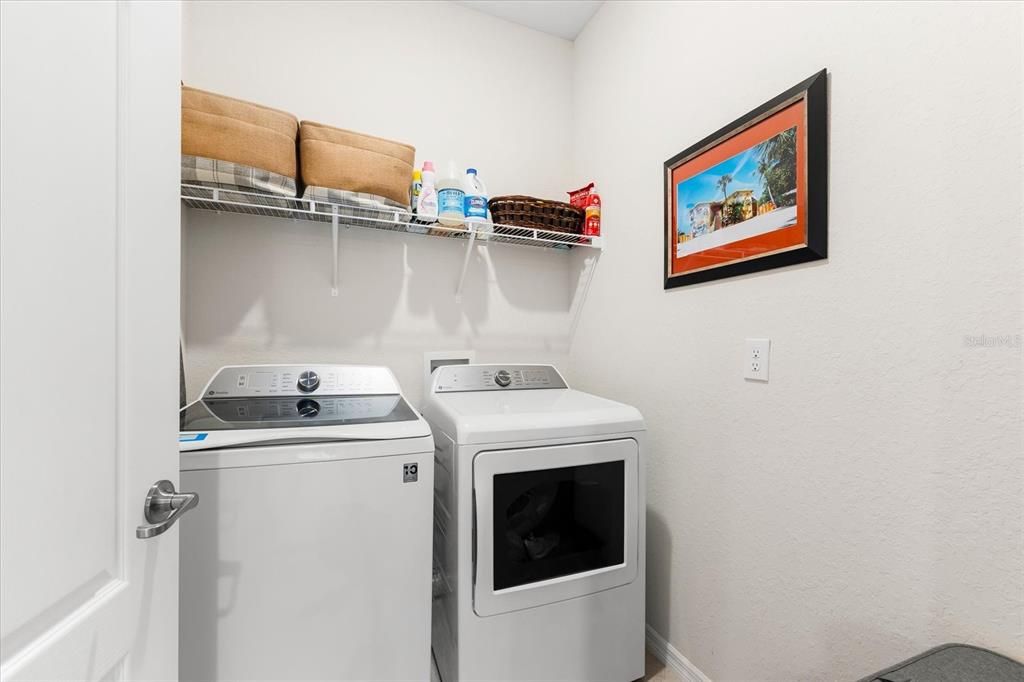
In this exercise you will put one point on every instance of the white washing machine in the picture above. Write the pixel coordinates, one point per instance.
(538, 528)
(309, 555)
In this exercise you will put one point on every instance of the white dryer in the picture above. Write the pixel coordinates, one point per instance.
(538, 528)
(309, 556)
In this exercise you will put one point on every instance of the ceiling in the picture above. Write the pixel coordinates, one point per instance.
(562, 18)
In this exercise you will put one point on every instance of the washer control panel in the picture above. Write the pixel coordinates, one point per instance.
(247, 381)
(457, 378)
(289, 409)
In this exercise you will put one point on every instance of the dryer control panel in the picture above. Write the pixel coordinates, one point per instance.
(458, 378)
(249, 381)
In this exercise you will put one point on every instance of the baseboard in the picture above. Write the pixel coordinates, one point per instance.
(670, 656)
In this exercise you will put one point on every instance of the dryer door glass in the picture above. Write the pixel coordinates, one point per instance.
(550, 523)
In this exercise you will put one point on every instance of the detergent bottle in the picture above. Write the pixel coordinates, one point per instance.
(451, 199)
(476, 204)
(426, 201)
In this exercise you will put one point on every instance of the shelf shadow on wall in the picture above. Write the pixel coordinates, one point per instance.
(264, 283)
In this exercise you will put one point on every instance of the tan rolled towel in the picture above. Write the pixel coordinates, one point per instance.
(228, 129)
(343, 159)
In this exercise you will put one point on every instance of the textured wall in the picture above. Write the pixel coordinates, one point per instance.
(258, 290)
(867, 503)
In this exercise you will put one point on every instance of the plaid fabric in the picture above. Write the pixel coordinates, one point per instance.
(276, 205)
(358, 205)
(199, 170)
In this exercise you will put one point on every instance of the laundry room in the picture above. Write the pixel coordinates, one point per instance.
(396, 297)
(513, 340)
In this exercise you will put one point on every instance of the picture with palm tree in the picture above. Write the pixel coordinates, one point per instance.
(776, 164)
(757, 184)
(754, 194)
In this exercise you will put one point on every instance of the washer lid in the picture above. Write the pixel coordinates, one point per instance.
(498, 417)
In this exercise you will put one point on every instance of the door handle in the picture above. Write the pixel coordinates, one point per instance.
(163, 507)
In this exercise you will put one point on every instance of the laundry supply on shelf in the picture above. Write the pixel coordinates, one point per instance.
(415, 188)
(476, 204)
(426, 200)
(578, 197)
(592, 223)
(451, 199)
(587, 199)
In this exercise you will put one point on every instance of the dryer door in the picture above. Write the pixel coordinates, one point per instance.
(554, 523)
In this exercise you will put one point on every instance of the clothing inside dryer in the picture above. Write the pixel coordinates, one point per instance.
(555, 522)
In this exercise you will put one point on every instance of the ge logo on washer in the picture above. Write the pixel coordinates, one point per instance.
(410, 473)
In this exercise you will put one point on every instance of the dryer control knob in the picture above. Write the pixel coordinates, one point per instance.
(308, 381)
(502, 378)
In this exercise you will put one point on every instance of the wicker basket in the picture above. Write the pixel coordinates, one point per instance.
(536, 214)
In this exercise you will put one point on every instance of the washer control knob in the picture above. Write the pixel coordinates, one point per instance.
(307, 408)
(308, 381)
(502, 378)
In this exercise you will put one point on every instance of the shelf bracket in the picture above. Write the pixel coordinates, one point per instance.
(465, 266)
(334, 250)
(581, 296)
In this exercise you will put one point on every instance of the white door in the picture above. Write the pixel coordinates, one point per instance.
(554, 523)
(89, 251)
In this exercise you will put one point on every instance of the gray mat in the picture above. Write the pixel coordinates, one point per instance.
(953, 663)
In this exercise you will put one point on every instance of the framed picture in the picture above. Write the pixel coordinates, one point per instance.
(754, 195)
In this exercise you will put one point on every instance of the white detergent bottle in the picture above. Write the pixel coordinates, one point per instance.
(476, 204)
(426, 203)
(451, 199)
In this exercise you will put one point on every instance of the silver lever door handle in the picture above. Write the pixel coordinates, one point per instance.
(163, 507)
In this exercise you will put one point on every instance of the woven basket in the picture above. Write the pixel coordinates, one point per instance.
(536, 214)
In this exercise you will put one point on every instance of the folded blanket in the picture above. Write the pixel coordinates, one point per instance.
(197, 170)
(377, 210)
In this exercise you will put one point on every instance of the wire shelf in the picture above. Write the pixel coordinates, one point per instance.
(358, 215)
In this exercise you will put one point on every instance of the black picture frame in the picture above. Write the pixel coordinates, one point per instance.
(814, 92)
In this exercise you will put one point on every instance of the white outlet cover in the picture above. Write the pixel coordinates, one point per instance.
(756, 359)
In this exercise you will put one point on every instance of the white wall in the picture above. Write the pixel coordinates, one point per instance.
(867, 503)
(455, 83)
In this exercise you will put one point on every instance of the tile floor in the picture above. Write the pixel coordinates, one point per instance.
(655, 672)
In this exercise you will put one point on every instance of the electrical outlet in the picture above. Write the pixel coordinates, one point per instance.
(755, 361)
